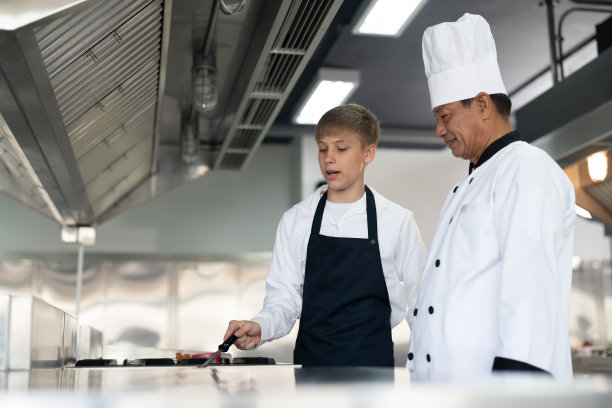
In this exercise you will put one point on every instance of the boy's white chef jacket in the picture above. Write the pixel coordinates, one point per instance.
(402, 256)
(497, 278)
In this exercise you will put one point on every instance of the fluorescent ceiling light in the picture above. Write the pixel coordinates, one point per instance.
(582, 212)
(598, 166)
(387, 17)
(331, 88)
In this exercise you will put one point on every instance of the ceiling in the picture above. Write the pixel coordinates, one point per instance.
(96, 115)
(393, 83)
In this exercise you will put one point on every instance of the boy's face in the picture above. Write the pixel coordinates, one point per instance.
(343, 160)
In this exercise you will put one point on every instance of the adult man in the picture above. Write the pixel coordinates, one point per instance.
(496, 285)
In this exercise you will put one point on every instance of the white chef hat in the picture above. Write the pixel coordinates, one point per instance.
(460, 60)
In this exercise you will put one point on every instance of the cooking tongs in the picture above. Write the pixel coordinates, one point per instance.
(222, 349)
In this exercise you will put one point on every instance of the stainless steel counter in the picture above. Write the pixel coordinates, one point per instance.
(284, 385)
(35, 334)
(593, 364)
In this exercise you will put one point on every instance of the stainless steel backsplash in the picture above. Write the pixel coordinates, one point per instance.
(145, 301)
(185, 302)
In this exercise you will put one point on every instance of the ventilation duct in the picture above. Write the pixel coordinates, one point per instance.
(80, 96)
(88, 87)
(277, 70)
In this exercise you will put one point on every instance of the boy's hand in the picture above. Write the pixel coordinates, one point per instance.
(248, 333)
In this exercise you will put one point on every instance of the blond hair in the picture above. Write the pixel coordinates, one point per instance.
(350, 117)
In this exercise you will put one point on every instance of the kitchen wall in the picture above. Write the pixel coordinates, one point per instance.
(226, 212)
(185, 303)
(223, 212)
(223, 215)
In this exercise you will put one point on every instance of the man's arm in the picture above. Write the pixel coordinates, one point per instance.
(530, 213)
(410, 259)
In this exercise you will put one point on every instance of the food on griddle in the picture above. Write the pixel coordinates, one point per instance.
(182, 355)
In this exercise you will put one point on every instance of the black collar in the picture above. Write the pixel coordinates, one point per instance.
(495, 147)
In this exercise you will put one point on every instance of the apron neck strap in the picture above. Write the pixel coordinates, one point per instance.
(316, 222)
(370, 210)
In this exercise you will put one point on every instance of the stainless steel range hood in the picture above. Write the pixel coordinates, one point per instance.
(94, 95)
(572, 121)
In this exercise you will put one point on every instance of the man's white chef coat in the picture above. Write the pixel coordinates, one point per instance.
(497, 278)
(402, 256)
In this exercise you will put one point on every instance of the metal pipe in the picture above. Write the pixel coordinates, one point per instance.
(593, 2)
(546, 69)
(551, 40)
(210, 32)
(200, 72)
(600, 306)
(79, 286)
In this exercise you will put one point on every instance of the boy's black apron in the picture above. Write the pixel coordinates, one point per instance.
(345, 309)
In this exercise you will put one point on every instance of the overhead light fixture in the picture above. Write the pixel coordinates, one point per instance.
(87, 236)
(598, 166)
(332, 87)
(387, 17)
(69, 234)
(204, 82)
(84, 235)
(231, 7)
(582, 212)
(189, 141)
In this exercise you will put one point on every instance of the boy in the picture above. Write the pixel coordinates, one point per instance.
(329, 268)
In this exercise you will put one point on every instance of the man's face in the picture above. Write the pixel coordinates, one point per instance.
(460, 127)
(342, 159)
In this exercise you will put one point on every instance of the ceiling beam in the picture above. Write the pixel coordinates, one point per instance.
(390, 137)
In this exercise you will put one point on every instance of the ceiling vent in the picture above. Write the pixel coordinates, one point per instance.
(301, 28)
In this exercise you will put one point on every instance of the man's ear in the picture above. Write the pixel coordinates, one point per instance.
(484, 104)
(370, 152)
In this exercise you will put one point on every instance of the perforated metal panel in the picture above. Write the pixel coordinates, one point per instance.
(26, 180)
(103, 63)
(279, 67)
(601, 191)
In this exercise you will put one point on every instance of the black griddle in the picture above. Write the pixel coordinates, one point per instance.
(168, 362)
